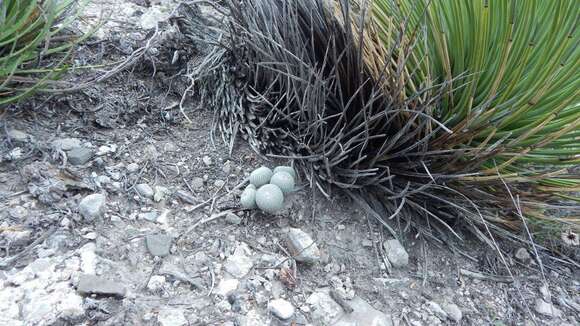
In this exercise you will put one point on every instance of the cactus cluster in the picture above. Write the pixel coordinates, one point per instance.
(267, 188)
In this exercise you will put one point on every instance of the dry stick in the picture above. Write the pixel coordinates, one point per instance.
(486, 277)
(10, 260)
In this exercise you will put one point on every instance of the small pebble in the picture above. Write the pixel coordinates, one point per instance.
(145, 190)
(79, 155)
(281, 308)
(132, 167)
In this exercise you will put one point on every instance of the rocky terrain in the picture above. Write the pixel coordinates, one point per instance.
(117, 207)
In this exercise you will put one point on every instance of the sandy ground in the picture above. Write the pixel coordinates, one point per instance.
(180, 251)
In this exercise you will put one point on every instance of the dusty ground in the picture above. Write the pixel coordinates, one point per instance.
(222, 269)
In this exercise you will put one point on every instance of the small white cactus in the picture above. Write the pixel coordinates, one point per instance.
(248, 197)
(270, 198)
(260, 176)
(283, 180)
(287, 169)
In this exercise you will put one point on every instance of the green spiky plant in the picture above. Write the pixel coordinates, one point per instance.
(372, 101)
(32, 53)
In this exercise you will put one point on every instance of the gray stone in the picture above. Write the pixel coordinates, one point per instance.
(156, 282)
(324, 310)
(437, 310)
(91, 284)
(281, 308)
(302, 247)
(158, 244)
(79, 155)
(66, 144)
(364, 314)
(453, 312)
(207, 160)
(522, 255)
(145, 190)
(396, 253)
(233, 219)
(172, 317)
(547, 309)
(149, 216)
(227, 287)
(92, 206)
(18, 136)
(238, 265)
(132, 167)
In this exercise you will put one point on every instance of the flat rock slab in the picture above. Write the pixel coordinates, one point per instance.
(158, 244)
(91, 284)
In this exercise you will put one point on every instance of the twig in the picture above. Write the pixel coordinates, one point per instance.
(486, 277)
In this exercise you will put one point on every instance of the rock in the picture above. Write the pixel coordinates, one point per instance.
(161, 193)
(324, 310)
(238, 265)
(66, 144)
(545, 292)
(437, 310)
(91, 284)
(546, 309)
(149, 216)
(17, 136)
(226, 287)
(145, 190)
(158, 244)
(197, 184)
(281, 308)
(233, 219)
(227, 168)
(156, 282)
(88, 258)
(343, 286)
(132, 167)
(17, 237)
(79, 155)
(302, 247)
(92, 206)
(453, 312)
(104, 150)
(253, 318)
(396, 253)
(171, 317)
(207, 160)
(523, 256)
(364, 314)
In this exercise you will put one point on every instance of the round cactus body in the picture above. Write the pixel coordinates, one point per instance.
(260, 176)
(283, 180)
(248, 197)
(287, 169)
(270, 198)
